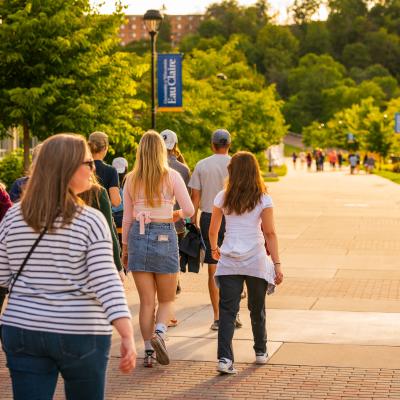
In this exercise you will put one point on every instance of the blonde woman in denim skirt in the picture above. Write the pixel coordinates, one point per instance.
(149, 239)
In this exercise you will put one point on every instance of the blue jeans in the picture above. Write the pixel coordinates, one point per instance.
(35, 358)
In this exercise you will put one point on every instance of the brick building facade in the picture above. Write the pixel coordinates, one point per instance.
(134, 28)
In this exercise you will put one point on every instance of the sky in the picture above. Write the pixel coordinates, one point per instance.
(138, 7)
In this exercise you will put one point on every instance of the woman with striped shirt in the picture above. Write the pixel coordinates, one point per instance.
(68, 293)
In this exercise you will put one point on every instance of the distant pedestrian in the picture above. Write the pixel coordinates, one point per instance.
(149, 240)
(106, 174)
(294, 159)
(207, 180)
(370, 164)
(332, 157)
(309, 160)
(302, 156)
(353, 163)
(65, 292)
(242, 256)
(340, 159)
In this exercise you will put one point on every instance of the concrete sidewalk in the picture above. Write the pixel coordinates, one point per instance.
(333, 325)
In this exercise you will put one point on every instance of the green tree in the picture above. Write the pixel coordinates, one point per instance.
(315, 38)
(278, 52)
(59, 71)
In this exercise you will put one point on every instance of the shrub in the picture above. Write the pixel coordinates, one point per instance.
(11, 167)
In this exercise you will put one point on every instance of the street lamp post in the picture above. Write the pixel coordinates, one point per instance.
(152, 20)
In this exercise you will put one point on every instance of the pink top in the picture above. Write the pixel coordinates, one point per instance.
(137, 209)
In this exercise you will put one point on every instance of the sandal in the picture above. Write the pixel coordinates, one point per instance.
(172, 323)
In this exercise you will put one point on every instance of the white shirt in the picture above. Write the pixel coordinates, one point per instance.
(243, 249)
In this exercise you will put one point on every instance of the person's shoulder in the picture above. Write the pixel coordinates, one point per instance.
(92, 216)
(266, 200)
(13, 211)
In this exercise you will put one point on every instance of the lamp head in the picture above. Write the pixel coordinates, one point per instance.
(152, 20)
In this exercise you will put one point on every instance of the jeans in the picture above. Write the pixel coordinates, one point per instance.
(231, 287)
(35, 358)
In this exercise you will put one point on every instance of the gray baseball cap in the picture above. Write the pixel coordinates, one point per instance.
(221, 136)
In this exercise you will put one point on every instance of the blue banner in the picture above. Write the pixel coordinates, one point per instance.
(169, 74)
(397, 122)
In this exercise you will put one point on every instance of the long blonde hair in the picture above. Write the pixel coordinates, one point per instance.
(245, 185)
(151, 169)
(47, 194)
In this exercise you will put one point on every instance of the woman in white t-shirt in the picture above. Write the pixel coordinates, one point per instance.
(242, 257)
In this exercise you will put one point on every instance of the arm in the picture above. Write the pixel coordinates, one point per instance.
(267, 218)
(115, 197)
(105, 283)
(196, 194)
(126, 221)
(182, 196)
(215, 224)
(128, 348)
(113, 189)
(105, 208)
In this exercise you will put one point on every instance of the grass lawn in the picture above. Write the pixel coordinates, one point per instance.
(280, 171)
(393, 176)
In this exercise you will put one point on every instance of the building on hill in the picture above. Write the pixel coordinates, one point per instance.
(134, 28)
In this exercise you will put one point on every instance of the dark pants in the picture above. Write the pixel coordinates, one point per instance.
(231, 287)
(35, 358)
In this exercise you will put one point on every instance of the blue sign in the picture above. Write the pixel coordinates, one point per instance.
(169, 82)
(397, 122)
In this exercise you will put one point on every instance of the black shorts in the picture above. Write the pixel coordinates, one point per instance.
(205, 220)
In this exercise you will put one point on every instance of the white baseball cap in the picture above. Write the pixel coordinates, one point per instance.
(120, 164)
(170, 138)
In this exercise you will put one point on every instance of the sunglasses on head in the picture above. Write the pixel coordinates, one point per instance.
(90, 164)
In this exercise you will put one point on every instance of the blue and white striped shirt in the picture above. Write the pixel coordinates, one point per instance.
(69, 284)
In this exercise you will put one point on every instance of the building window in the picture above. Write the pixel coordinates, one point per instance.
(133, 26)
(190, 17)
(179, 18)
(123, 43)
(134, 34)
(122, 26)
(179, 26)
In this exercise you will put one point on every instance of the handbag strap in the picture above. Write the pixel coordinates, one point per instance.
(39, 238)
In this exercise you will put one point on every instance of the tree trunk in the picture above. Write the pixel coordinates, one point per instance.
(27, 146)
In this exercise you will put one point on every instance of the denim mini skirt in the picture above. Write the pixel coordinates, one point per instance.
(154, 251)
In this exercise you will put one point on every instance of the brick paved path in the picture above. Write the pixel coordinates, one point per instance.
(198, 380)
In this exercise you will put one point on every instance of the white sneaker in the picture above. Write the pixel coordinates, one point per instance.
(261, 358)
(225, 366)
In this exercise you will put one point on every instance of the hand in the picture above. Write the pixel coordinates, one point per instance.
(124, 260)
(121, 275)
(215, 254)
(278, 274)
(193, 220)
(176, 215)
(128, 355)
